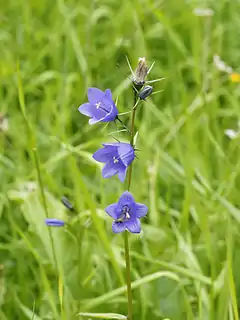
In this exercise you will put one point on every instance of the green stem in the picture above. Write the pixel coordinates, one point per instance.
(128, 275)
(44, 202)
(126, 245)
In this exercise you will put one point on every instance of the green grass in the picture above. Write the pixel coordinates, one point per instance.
(186, 263)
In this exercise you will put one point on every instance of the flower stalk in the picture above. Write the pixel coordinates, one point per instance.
(126, 244)
(118, 158)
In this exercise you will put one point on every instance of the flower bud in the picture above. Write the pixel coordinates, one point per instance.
(67, 203)
(145, 92)
(141, 72)
(52, 222)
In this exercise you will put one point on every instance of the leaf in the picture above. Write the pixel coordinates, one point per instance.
(135, 139)
(103, 315)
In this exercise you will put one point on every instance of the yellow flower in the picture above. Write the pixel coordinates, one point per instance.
(235, 77)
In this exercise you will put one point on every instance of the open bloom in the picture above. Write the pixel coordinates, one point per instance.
(52, 222)
(117, 156)
(100, 108)
(126, 214)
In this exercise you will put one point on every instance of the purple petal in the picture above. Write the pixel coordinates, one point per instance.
(126, 199)
(93, 121)
(105, 154)
(95, 95)
(141, 210)
(111, 116)
(122, 173)
(111, 211)
(113, 144)
(133, 225)
(54, 222)
(126, 153)
(90, 110)
(109, 170)
(108, 94)
(118, 226)
(86, 109)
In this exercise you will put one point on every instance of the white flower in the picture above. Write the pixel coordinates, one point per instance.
(232, 134)
(4, 125)
(221, 65)
(201, 12)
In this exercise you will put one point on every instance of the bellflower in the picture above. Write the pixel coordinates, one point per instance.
(126, 214)
(52, 222)
(100, 108)
(117, 156)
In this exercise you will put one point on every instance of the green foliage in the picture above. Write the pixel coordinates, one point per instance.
(186, 263)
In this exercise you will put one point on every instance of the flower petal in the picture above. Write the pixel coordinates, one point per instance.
(108, 94)
(109, 170)
(111, 211)
(126, 153)
(118, 226)
(95, 95)
(111, 116)
(141, 210)
(86, 109)
(90, 110)
(122, 173)
(93, 121)
(105, 154)
(126, 199)
(133, 225)
(232, 134)
(113, 144)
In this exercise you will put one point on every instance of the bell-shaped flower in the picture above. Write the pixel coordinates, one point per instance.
(126, 214)
(117, 156)
(101, 107)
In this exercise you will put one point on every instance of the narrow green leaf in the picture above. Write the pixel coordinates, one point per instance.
(103, 315)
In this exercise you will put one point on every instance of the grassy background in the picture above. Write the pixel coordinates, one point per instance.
(185, 265)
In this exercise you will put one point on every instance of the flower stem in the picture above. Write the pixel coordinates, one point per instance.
(128, 275)
(126, 245)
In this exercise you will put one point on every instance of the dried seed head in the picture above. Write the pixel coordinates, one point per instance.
(141, 72)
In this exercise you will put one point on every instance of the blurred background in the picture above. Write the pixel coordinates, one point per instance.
(185, 264)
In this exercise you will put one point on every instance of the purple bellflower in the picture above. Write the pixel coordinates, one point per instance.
(117, 156)
(52, 222)
(126, 214)
(100, 108)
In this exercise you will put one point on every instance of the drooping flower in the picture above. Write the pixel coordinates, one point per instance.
(126, 214)
(117, 156)
(52, 222)
(101, 107)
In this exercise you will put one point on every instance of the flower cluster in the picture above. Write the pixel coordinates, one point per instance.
(117, 156)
